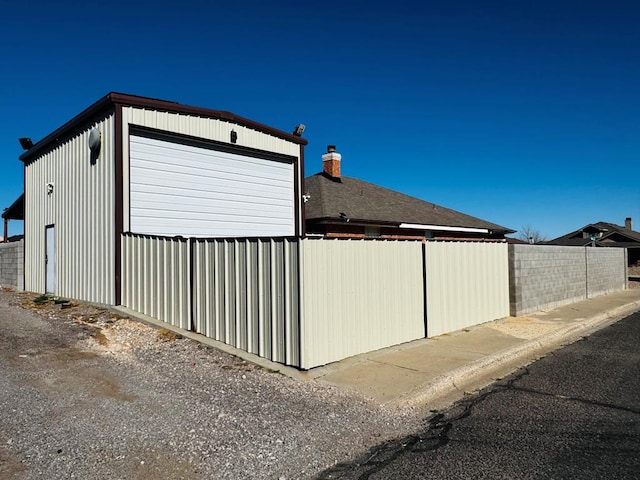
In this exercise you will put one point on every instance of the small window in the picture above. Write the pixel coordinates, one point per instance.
(371, 232)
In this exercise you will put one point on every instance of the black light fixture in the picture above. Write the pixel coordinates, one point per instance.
(25, 142)
(299, 130)
(234, 136)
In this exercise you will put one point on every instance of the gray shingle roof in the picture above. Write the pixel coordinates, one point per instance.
(368, 203)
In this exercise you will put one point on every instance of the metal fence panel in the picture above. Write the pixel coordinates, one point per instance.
(246, 295)
(467, 284)
(358, 296)
(156, 277)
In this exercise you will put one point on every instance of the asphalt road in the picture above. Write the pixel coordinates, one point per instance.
(572, 414)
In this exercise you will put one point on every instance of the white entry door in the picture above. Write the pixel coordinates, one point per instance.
(50, 260)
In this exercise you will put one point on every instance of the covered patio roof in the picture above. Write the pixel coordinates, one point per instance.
(16, 210)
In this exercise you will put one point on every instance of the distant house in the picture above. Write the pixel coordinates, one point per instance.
(150, 167)
(344, 207)
(604, 234)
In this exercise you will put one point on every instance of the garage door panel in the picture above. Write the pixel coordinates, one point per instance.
(217, 167)
(146, 207)
(263, 217)
(147, 149)
(178, 189)
(206, 184)
(169, 194)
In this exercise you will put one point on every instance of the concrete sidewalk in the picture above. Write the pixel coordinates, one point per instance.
(434, 372)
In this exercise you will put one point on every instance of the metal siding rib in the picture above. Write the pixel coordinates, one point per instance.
(292, 266)
(219, 291)
(230, 293)
(277, 314)
(241, 294)
(265, 301)
(252, 297)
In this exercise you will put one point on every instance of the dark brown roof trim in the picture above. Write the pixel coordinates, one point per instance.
(300, 187)
(163, 105)
(113, 98)
(65, 130)
(118, 220)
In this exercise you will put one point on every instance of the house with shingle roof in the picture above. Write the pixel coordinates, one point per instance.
(344, 207)
(604, 234)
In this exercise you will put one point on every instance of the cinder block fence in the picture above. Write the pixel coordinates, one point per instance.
(545, 276)
(12, 264)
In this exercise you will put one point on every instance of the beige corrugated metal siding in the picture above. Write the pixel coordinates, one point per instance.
(359, 296)
(156, 278)
(201, 127)
(81, 208)
(246, 295)
(467, 284)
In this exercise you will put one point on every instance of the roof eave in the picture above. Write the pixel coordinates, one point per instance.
(114, 98)
(16, 210)
(145, 102)
(101, 105)
(383, 223)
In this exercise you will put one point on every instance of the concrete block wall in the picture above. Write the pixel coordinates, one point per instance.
(545, 276)
(542, 276)
(606, 271)
(12, 265)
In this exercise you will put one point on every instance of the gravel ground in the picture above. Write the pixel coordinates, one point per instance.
(86, 394)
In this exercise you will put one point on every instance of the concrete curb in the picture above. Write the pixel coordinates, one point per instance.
(456, 380)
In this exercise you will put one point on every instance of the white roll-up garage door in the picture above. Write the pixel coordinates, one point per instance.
(181, 189)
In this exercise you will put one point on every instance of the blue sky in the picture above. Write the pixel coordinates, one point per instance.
(517, 112)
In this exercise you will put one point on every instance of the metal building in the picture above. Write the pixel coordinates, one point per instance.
(153, 167)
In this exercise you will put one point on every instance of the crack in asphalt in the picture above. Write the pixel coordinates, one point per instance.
(439, 426)
(578, 399)
(435, 436)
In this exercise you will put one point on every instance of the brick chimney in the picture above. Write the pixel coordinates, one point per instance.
(331, 162)
(627, 223)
